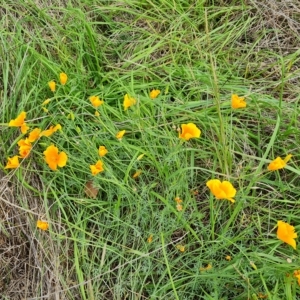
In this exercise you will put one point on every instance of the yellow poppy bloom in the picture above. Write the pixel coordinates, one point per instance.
(137, 174)
(297, 275)
(19, 122)
(34, 135)
(42, 225)
(51, 130)
(12, 162)
(222, 190)
(150, 238)
(102, 151)
(128, 101)
(237, 102)
(286, 233)
(228, 257)
(96, 102)
(181, 248)
(97, 168)
(52, 85)
(55, 159)
(154, 93)
(278, 163)
(63, 77)
(189, 131)
(25, 147)
(179, 207)
(120, 134)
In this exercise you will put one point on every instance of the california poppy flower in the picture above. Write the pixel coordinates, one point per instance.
(154, 94)
(286, 233)
(238, 102)
(128, 101)
(51, 130)
(24, 147)
(52, 85)
(97, 168)
(19, 122)
(42, 225)
(63, 77)
(12, 162)
(120, 134)
(221, 190)
(189, 131)
(96, 102)
(34, 135)
(55, 159)
(278, 163)
(102, 151)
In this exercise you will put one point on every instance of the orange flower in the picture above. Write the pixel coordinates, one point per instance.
(154, 93)
(63, 77)
(178, 200)
(19, 122)
(221, 190)
(189, 131)
(208, 267)
(102, 151)
(50, 131)
(97, 168)
(278, 163)
(181, 248)
(237, 102)
(297, 275)
(179, 207)
(52, 85)
(150, 238)
(96, 101)
(120, 134)
(25, 147)
(42, 225)
(286, 233)
(54, 159)
(128, 101)
(34, 135)
(13, 162)
(137, 174)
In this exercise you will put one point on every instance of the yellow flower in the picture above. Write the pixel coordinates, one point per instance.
(179, 207)
(12, 162)
(238, 102)
(52, 85)
(19, 122)
(228, 257)
(137, 174)
(63, 77)
(178, 200)
(181, 248)
(102, 151)
(297, 275)
(154, 94)
(25, 147)
(120, 134)
(96, 101)
(221, 190)
(278, 163)
(97, 113)
(286, 233)
(42, 225)
(189, 131)
(150, 238)
(128, 101)
(208, 267)
(51, 130)
(97, 168)
(54, 158)
(46, 101)
(34, 135)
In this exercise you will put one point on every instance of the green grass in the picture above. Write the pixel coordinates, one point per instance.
(197, 53)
